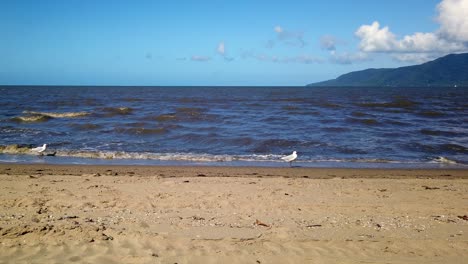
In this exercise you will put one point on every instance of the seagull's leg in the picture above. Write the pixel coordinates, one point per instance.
(290, 164)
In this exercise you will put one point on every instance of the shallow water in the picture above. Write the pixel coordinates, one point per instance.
(357, 127)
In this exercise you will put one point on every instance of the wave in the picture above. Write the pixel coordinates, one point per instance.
(115, 111)
(37, 117)
(31, 119)
(142, 131)
(16, 149)
(454, 148)
(200, 157)
(26, 149)
(397, 103)
(164, 117)
(85, 126)
(190, 157)
(10, 130)
(397, 123)
(348, 150)
(184, 114)
(293, 100)
(328, 105)
(432, 114)
(291, 107)
(444, 160)
(270, 145)
(57, 115)
(433, 132)
(438, 148)
(360, 114)
(132, 99)
(365, 121)
(336, 129)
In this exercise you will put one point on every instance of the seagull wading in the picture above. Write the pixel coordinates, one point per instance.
(290, 158)
(39, 149)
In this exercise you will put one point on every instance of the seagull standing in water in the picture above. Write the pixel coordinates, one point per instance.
(290, 158)
(39, 149)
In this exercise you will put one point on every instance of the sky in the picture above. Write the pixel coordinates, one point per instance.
(226, 43)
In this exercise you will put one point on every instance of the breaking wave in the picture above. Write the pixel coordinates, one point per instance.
(31, 119)
(37, 117)
(208, 158)
(57, 115)
(444, 160)
(195, 157)
(16, 149)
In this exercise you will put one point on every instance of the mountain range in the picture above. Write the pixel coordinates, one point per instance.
(450, 70)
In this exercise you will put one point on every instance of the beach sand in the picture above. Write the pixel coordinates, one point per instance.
(157, 214)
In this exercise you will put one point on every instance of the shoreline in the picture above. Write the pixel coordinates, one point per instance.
(230, 171)
(170, 214)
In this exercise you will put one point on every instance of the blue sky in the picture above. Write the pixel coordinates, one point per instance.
(220, 42)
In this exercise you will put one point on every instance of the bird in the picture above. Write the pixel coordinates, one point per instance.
(39, 149)
(290, 158)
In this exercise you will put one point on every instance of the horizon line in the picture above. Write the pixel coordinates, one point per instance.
(110, 85)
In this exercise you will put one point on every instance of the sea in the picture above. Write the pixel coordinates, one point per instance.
(338, 127)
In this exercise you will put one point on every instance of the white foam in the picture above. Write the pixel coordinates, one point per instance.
(444, 160)
(58, 115)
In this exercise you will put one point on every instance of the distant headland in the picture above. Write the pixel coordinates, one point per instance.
(450, 70)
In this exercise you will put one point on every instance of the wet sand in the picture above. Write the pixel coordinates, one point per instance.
(157, 214)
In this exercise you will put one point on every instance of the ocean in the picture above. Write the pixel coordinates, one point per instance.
(236, 126)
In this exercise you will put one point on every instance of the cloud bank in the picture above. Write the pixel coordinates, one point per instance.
(451, 37)
(347, 58)
(299, 59)
(453, 18)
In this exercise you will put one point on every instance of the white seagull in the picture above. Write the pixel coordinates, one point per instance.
(39, 149)
(290, 158)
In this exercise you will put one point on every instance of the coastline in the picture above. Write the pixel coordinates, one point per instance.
(191, 214)
(230, 171)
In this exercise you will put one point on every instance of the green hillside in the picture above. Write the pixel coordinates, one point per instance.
(449, 70)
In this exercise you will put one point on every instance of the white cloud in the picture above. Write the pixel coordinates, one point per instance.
(291, 38)
(348, 58)
(221, 49)
(278, 29)
(222, 52)
(300, 59)
(305, 59)
(414, 57)
(452, 36)
(328, 42)
(375, 39)
(200, 58)
(453, 19)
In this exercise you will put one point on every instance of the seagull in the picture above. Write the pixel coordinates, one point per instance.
(290, 158)
(39, 149)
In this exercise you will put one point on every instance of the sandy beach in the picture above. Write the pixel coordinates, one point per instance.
(157, 214)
